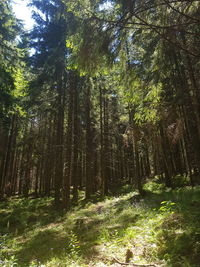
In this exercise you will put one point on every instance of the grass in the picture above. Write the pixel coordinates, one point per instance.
(163, 228)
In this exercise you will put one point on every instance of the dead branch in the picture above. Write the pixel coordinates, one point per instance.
(133, 264)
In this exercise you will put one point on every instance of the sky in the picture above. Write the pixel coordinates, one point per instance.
(23, 12)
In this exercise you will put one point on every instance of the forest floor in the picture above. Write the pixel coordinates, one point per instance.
(163, 229)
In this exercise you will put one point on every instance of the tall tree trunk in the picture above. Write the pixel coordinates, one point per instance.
(75, 141)
(59, 141)
(89, 163)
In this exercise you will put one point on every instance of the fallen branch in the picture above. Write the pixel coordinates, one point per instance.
(133, 264)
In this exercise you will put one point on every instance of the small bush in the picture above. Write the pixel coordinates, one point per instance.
(154, 186)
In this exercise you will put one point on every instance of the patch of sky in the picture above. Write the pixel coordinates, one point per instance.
(106, 6)
(23, 13)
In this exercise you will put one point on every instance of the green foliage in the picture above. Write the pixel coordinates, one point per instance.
(6, 258)
(12, 82)
(154, 186)
(73, 246)
(11, 262)
(167, 206)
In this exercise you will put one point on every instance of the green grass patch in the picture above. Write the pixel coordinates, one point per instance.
(163, 228)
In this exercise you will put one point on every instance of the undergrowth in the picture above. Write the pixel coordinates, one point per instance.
(163, 229)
